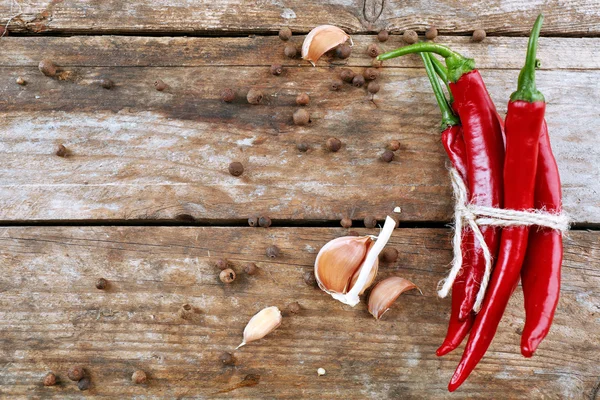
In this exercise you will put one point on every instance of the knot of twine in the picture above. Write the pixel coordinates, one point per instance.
(475, 216)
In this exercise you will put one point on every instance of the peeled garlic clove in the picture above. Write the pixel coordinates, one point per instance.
(320, 40)
(385, 293)
(263, 323)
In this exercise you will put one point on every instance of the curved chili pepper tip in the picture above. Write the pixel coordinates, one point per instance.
(526, 89)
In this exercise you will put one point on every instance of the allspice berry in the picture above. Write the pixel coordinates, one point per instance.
(139, 377)
(309, 279)
(370, 222)
(383, 35)
(478, 35)
(50, 379)
(302, 99)
(62, 151)
(84, 384)
(371, 74)
(186, 311)
(346, 222)
(227, 275)
(228, 95)
(336, 85)
(343, 51)
(107, 83)
(301, 117)
(387, 156)
(21, 81)
(409, 36)
(76, 373)
(373, 87)
(358, 81)
(47, 67)
(290, 51)
(252, 221)
(302, 147)
(227, 359)
(160, 85)
(264, 222)
(276, 69)
(272, 251)
(236, 168)
(101, 284)
(294, 307)
(222, 264)
(333, 144)
(388, 255)
(250, 268)
(254, 96)
(431, 33)
(373, 50)
(346, 74)
(394, 145)
(285, 34)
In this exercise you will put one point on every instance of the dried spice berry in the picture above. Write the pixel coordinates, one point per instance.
(101, 284)
(431, 33)
(301, 117)
(76, 373)
(290, 51)
(373, 87)
(358, 81)
(309, 279)
(227, 275)
(343, 51)
(222, 264)
(47, 68)
(383, 36)
(409, 36)
(227, 358)
(371, 74)
(62, 151)
(50, 379)
(276, 69)
(107, 83)
(84, 384)
(236, 168)
(253, 221)
(373, 50)
(346, 74)
(478, 35)
(302, 99)
(387, 156)
(21, 81)
(394, 145)
(254, 96)
(139, 377)
(228, 95)
(250, 268)
(336, 85)
(264, 222)
(186, 311)
(389, 255)
(294, 307)
(160, 85)
(285, 34)
(370, 222)
(346, 222)
(302, 146)
(333, 144)
(272, 251)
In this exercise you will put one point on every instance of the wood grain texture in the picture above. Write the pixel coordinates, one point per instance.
(513, 17)
(137, 153)
(52, 317)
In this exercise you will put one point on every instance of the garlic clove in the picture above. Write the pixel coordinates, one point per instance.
(261, 324)
(385, 293)
(322, 39)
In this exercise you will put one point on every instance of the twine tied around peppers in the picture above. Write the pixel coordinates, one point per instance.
(475, 216)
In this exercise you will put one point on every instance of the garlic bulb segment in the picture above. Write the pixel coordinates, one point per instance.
(263, 323)
(346, 266)
(385, 293)
(322, 39)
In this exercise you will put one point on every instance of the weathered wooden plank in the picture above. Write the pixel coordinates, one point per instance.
(135, 51)
(52, 317)
(142, 154)
(513, 17)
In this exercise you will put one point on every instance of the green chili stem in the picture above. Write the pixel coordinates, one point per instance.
(448, 117)
(443, 74)
(526, 89)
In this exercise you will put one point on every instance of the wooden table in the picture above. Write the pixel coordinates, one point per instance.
(144, 199)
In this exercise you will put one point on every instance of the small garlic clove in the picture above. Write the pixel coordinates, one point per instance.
(322, 39)
(385, 293)
(261, 324)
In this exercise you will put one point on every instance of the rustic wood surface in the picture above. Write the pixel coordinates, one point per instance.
(53, 317)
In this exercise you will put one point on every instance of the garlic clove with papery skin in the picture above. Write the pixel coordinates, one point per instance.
(346, 266)
(385, 293)
(322, 39)
(261, 324)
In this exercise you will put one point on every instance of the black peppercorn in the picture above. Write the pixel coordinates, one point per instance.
(347, 75)
(387, 156)
(47, 68)
(358, 81)
(409, 36)
(50, 379)
(236, 168)
(272, 251)
(264, 222)
(21, 81)
(139, 377)
(346, 222)
(227, 275)
(371, 74)
(276, 69)
(394, 145)
(373, 50)
(107, 83)
(228, 95)
(76, 373)
(101, 284)
(333, 144)
(373, 87)
(84, 384)
(301, 117)
(227, 359)
(254, 96)
(431, 33)
(383, 36)
(294, 307)
(285, 34)
(302, 146)
(336, 85)
(252, 221)
(343, 51)
(388, 255)
(62, 151)
(370, 222)
(478, 35)
(290, 51)
(250, 268)
(309, 278)
(160, 85)
(222, 264)
(302, 99)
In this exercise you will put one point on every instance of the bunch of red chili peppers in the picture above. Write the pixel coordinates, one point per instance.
(504, 165)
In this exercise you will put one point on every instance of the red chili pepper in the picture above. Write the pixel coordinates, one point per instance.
(524, 121)
(540, 275)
